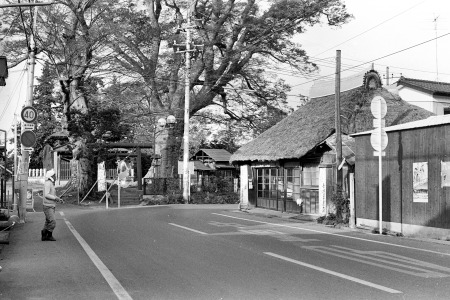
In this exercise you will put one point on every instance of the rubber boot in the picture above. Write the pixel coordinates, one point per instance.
(50, 236)
(43, 235)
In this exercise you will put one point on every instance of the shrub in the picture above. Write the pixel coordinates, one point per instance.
(214, 198)
(175, 198)
(342, 205)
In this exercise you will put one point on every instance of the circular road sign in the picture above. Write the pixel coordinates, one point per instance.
(28, 114)
(28, 138)
(375, 140)
(375, 107)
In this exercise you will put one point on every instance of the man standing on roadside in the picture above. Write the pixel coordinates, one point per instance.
(49, 202)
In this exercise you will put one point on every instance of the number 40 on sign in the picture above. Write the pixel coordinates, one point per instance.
(28, 114)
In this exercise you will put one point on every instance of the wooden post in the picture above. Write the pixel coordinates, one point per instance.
(139, 168)
(352, 219)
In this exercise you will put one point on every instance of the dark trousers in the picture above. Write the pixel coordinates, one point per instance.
(50, 222)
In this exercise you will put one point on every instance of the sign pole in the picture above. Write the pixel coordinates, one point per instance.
(379, 141)
(380, 177)
(118, 190)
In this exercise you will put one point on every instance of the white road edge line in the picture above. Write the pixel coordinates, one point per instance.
(115, 285)
(339, 235)
(187, 228)
(320, 269)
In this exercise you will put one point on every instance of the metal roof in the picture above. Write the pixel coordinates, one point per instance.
(431, 121)
(434, 87)
(217, 154)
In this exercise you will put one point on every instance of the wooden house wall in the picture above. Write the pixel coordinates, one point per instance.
(429, 144)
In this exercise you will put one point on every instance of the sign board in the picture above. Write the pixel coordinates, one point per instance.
(101, 177)
(445, 173)
(28, 114)
(30, 199)
(378, 111)
(27, 126)
(376, 153)
(29, 149)
(180, 167)
(375, 139)
(28, 138)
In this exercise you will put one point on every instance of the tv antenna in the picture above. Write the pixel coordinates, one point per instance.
(435, 31)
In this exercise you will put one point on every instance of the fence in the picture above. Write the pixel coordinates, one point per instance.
(65, 172)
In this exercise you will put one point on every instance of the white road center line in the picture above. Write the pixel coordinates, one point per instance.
(339, 235)
(187, 228)
(354, 279)
(115, 285)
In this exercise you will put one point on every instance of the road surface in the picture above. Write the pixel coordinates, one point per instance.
(209, 252)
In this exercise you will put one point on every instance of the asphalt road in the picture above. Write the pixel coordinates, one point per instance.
(196, 252)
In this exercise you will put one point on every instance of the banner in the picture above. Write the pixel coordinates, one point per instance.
(101, 177)
(445, 173)
(124, 173)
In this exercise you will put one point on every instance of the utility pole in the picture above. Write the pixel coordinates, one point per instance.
(337, 97)
(23, 176)
(188, 50)
(186, 175)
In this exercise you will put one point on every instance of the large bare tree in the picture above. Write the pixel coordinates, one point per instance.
(238, 38)
(68, 35)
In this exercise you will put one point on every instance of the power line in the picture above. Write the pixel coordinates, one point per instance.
(387, 20)
(402, 68)
(18, 83)
(387, 55)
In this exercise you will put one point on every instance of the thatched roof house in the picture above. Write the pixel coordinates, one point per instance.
(308, 126)
(292, 166)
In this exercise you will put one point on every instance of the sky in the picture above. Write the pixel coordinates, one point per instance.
(12, 96)
(380, 32)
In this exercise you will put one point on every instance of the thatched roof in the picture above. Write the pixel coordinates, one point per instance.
(314, 122)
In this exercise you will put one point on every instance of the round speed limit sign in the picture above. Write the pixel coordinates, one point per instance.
(28, 114)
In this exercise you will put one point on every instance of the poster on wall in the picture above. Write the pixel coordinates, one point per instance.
(420, 182)
(445, 173)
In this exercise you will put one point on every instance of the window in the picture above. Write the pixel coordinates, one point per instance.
(267, 183)
(447, 110)
(311, 175)
(293, 183)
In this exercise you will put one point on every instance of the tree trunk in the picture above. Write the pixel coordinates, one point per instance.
(170, 146)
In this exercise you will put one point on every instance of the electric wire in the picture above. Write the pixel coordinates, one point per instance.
(18, 83)
(364, 32)
(384, 56)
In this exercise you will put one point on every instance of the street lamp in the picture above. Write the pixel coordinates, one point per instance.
(169, 121)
